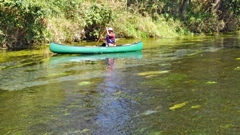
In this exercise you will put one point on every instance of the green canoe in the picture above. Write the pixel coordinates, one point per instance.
(58, 48)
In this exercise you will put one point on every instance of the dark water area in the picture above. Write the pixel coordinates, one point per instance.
(183, 85)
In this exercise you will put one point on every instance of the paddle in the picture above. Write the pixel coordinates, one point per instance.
(101, 35)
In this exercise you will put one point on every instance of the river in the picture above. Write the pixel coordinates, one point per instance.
(183, 85)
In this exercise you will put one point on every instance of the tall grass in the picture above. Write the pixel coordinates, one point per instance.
(130, 23)
(135, 26)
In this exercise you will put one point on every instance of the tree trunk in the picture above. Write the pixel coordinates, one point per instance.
(184, 7)
(175, 9)
(216, 6)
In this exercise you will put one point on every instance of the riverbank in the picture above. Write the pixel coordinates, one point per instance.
(40, 22)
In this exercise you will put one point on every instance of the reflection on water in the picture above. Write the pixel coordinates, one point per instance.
(80, 58)
(111, 64)
(185, 85)
(49, 72)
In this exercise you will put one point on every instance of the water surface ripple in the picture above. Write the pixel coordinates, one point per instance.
(184, 85)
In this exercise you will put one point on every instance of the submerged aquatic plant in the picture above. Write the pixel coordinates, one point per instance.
(152, 73)
(84, 83)
(178, 105)
(211, 82)
(196, 106)
(60, 74)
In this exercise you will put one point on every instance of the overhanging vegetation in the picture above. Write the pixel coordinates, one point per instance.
(26, 21)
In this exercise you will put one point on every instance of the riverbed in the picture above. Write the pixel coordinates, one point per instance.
(182, 85)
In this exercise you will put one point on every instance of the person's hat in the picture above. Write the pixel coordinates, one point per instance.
(110, 28)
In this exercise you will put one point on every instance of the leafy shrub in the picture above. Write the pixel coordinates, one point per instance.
(21, 22)
(25, 21)
(97, 17)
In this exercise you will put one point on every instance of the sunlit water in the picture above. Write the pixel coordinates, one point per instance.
(184, 85)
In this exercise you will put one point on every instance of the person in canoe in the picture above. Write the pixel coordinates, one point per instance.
(111, 39)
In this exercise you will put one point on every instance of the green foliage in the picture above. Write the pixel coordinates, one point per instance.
(97, 17)
(203, 22)
(198, 18)
(24, 21)
(21, 22)
(233, 5)
(70, 9)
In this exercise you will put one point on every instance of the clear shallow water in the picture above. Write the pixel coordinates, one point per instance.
(184, 85)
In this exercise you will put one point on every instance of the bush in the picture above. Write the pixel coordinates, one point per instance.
(21, 22)
(97, 17)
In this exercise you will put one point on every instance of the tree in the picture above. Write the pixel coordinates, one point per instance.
(216, 6)
(184, 7)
